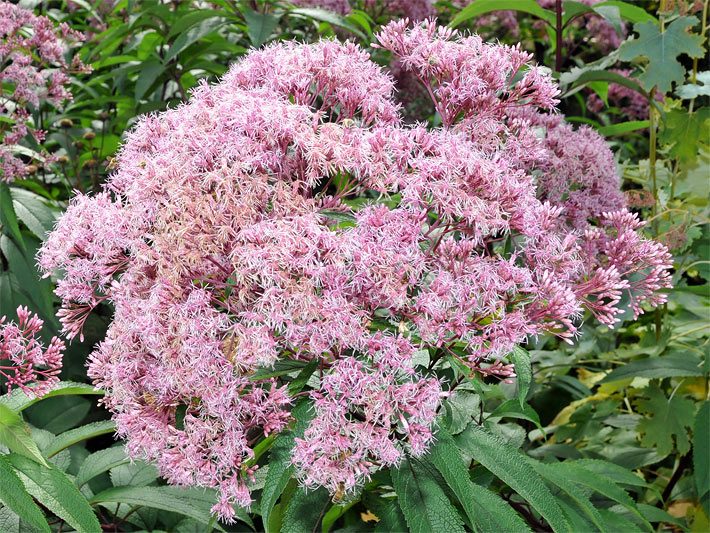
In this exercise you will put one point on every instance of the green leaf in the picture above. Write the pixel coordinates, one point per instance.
(194, 502)
(667, 419)
(424, 504)
(57, 493)
(611, 471)
(148, 75)
(15, 497)
(661, 49)
(323, 15)
(194, 34)
(485, 510)
(481, 7)
(459, 409)
(280, 468)
(100, 462)
(512, 409)
(8, 218)
(656, 367)
(33, 211)
(523, 371)
(513, 468)
(629, 12)
(701, 450)
(685, 132)
(71, 437)
(15, 434)
(623, 127)
(17, 400)
(305, 510)
(260, 26)
(577, 495)
(134, 474)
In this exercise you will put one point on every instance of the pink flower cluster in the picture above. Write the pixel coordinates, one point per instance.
(24, 361)
(32, 71)
(287, 215)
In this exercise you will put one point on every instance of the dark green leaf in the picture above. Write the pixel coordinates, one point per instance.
(100, 462)
(657, 367)
(701, 450)
(57, 493)
(15, 434)
(481, 7)
(424, 504)
(15, 497)
(71, 437)
(305, 510)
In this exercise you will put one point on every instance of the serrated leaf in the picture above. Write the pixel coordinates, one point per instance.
(305, 510)
(684, 132)
(194, 502)
(459, 409)
(71, 437)
(33, 211)
(667, 419)
(424, 504)
(57, 493)
(100, 462)
(14, 495)
(15, 434)
(9, 223)
(523, 371)
(578, 496)
(661, 49)
(485, 510)
(280, 468)
(611, 471)
(701, 450)
(513, 468)
(192, 35)
(656, 367)
(18, 401)
(513, 409)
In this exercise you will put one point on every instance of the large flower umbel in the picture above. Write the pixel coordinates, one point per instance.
(287, 215)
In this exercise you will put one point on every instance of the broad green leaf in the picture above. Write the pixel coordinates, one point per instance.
(667, 419)
(260, 26)
(14, 495)
(195, 503)
(654, 514)
(57, 493)
(333, 514)
(192, 18)
(15, 434)
(305, 510)
(459, 409)
(390, 517)
(425, 506)
(71, 437)
(280, 468)
(485, 510)
(701, 450)
(661, 49)
(134, 474)
(481, 7)
(513, 468)
(17, 400)
(623, 127)
(615, 522)
(194, 34)
(657, 367)
(100, 462)
(523, 371)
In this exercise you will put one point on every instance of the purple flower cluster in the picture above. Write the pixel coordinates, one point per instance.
(24, 361)
(288, 215)
(32, 71)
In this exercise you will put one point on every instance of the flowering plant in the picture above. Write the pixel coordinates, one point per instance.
(286, 215)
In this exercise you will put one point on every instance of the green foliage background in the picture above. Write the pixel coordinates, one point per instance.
(611, 434)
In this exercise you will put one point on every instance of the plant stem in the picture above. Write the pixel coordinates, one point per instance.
(558, 30)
